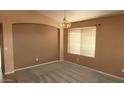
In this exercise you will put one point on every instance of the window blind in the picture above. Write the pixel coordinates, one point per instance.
(81, 41)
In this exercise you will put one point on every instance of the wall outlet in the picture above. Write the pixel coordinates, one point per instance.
(37, 59)
(122, 70)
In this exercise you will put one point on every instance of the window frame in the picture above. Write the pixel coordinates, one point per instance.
(67, 51)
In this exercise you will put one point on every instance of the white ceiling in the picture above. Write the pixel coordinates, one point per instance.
(78, 15)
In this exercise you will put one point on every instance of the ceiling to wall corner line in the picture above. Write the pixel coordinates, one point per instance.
(79, 15)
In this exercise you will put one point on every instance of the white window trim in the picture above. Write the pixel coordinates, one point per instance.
(82, 54)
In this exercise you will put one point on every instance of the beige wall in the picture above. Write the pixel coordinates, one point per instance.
(1, 46)
(1, 36)
(109, 45)
(31, 41)
(1, 43)
(7, 18)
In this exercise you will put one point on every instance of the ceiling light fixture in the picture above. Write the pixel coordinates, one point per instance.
(65, 24)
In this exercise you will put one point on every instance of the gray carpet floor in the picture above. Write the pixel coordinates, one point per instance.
(1, 76)
(63, 72)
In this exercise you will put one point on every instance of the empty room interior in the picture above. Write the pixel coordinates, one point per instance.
(62, 46)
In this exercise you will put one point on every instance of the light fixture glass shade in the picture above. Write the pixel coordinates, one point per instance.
(65, 24)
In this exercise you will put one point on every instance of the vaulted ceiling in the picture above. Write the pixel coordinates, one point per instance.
(79, 15)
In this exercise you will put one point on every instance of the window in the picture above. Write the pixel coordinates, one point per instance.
(81, 41)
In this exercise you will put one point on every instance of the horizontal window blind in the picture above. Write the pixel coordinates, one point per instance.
(74, 41)
(82, 41)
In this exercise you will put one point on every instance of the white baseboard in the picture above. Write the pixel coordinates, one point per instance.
(36, 65)
(7, 73)
(61, 60)
(97, 70)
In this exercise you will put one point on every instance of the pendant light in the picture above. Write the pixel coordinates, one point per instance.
(65, 24)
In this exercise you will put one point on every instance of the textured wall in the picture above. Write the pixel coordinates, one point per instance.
(31, 41)
(7, 18)
(109, 45)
